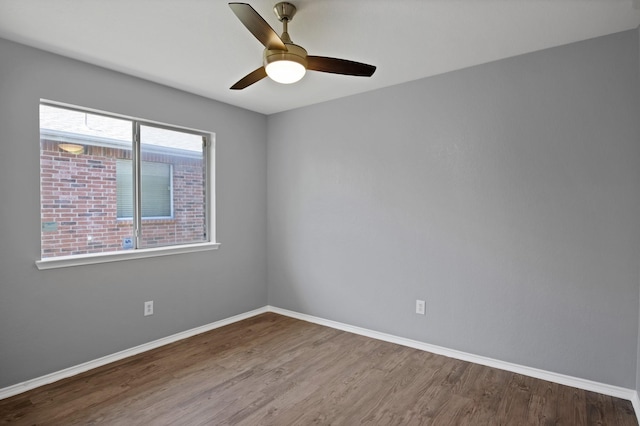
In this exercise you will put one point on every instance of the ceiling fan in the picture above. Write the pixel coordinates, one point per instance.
(284, 61)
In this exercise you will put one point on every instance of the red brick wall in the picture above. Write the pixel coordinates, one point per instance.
(78, 193)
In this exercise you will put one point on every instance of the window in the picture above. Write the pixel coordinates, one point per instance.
(113, 184)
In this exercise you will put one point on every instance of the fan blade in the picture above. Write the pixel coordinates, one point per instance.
(339, 66)
(250, 78)
(257, 26)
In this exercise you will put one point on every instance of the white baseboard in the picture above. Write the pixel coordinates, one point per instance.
(81, 368)
(615, 391)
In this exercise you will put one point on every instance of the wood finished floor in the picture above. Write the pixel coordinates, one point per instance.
(275, 370)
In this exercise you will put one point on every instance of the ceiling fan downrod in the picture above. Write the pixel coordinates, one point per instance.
(285, 12)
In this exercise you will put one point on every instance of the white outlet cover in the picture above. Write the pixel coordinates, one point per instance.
(420, 307)
(148, 308)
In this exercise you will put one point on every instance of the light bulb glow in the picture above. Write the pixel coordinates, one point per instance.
(285, 72)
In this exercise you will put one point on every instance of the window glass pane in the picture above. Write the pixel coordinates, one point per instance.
(78, 194)
(173, 181)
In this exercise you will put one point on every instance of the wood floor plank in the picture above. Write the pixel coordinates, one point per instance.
(321, 386)
(487, 387)
(571, 406)
(542, 409)
(514, 406)
(275, 370)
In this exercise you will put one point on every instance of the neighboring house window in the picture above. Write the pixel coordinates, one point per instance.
(110, 183)
(155, 180)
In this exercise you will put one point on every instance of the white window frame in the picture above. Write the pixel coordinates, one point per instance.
(141, 253)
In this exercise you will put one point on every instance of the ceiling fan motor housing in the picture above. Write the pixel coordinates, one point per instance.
(293, 53)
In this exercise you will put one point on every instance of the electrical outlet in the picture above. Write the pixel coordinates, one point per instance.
(420, 307)
(148, 308)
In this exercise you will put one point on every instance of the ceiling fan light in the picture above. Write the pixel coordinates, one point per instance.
(288, 66)
(285, 72)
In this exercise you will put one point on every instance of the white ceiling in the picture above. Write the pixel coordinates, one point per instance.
(201, 47)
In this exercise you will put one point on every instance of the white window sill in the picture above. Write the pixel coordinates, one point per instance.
(117, 256)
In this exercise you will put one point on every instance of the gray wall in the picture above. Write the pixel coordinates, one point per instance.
(506, 195)
(54, 319)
